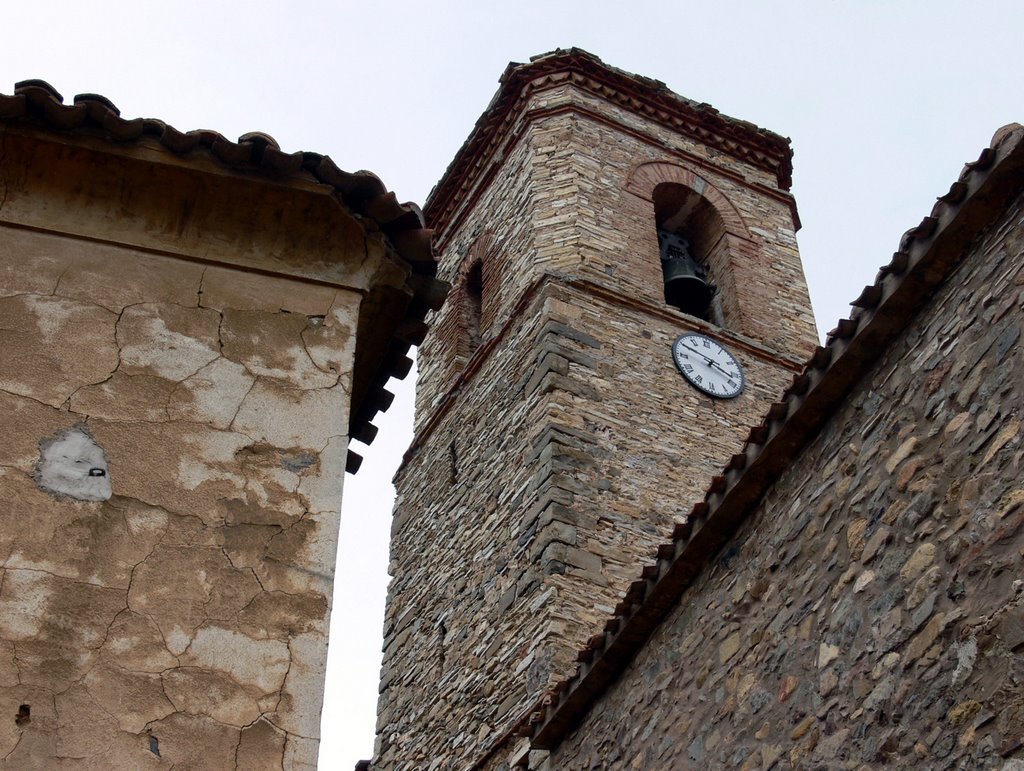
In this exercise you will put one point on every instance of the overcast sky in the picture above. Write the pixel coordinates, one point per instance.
(884, 102)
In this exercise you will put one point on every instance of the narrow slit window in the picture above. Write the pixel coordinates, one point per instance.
(474, 295)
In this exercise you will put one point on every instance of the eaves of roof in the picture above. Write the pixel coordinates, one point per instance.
(650, 98)
(37, 104)
(926, 255)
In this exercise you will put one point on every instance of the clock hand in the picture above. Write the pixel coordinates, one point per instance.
(707, 358)
(702, 355)
(717, 366)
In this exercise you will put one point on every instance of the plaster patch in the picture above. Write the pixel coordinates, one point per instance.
(52, 314)
(303, 688)
(322, 491)
(168, 340)
(134, 643)
(331, 344)
(200, 692)
(178, 641)
(212, 395)
(72, 464)
(193, 741)
(261, 664)
(124, 397)
(261, 745)
(300, 753)
(211, 458)
(145, 521)
(52, 346)
(271, 345)
(192, 474)
(26, 594)
(289, 417)
(321, 545)
(134, 699)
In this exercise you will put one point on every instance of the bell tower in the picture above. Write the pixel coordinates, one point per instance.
(598, 231)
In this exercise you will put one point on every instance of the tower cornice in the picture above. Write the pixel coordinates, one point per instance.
(650, 98)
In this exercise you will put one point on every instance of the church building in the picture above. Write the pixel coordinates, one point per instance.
(646, 521)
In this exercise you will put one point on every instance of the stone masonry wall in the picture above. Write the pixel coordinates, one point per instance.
(871, 611)
(536, 519)
(621, 421)
(601, 178)
(507, 259)
(174, 447)
(454, 557)
(537, 480)
(573, 196)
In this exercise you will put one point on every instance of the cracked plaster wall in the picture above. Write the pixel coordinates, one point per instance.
(182, 621)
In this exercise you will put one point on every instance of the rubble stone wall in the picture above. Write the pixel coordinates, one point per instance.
(174, 439)
(456, 558)
(512, 542)
(501, 226)
(871, 610)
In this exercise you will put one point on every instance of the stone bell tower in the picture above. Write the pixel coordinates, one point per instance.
(557, 440)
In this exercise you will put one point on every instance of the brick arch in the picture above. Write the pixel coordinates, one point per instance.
(479, 250)
(647, 176)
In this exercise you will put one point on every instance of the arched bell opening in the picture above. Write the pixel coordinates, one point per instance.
(691, 243)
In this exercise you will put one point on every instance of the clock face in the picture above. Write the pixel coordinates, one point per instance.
(708, 366)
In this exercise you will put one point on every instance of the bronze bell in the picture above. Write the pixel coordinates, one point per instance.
(686, 285)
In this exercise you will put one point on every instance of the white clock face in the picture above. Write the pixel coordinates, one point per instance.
(708, 366)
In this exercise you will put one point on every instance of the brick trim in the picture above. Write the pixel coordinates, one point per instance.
(647, 176)
(740, 139)
(448, 222)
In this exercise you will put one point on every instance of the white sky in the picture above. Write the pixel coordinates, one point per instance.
(884, 102)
